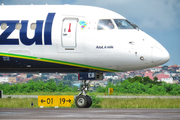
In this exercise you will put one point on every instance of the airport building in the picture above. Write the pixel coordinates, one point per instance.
(8, 80)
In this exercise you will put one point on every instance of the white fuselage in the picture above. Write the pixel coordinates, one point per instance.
(68, 35)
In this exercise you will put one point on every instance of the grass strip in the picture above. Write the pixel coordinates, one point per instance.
(76, 93)
(18, 102)
(157, 103)
(45, 93)
(141, 103)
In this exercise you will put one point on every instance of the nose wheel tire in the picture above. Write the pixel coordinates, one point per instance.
(89, 101)
(83, 101)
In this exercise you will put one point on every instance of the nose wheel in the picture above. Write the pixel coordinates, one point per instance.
(83, 100)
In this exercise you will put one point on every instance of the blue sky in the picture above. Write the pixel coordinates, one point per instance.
(158, 18)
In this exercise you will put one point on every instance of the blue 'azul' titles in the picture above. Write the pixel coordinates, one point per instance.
(37, 39)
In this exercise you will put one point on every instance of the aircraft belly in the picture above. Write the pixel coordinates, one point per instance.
(10, 64)
(22, 63)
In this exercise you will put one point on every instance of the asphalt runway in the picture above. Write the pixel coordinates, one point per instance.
(85, 113)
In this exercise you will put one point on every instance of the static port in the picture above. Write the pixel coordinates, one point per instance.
(141, 58)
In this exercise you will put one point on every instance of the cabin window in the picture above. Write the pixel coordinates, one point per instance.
(3, 26)
(18, 26)
(124, 24)
(105, 24)
(33, 26)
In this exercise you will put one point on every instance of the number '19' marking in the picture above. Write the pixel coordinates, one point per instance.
(62, 100)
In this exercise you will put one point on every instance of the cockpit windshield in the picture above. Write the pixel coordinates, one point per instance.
(124, 24)
(105, 24)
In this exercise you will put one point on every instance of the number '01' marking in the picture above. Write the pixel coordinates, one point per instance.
(50, 101)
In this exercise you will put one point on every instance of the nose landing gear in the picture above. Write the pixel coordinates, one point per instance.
(83, 100)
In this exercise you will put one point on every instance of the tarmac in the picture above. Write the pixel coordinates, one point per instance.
(91, 113)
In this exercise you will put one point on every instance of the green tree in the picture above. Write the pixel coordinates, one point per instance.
(146, 80)
(175, 90)
(101, 89)
(155, 79)
(51, 86)
(60, 86)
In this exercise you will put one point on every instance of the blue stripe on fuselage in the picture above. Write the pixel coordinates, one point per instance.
(47, 30)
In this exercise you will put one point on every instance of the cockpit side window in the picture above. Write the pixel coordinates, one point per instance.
(105, 24)
(124, 24)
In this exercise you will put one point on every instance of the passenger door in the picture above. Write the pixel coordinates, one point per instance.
(69, 28)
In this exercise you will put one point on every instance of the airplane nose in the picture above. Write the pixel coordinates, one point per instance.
(160, 55)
